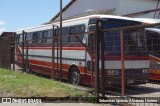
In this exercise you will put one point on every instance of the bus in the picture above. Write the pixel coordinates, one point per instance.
(153, 42)
(76, 59)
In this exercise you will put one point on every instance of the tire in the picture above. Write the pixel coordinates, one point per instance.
(75, 77)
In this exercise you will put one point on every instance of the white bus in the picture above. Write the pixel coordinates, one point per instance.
(76, 59)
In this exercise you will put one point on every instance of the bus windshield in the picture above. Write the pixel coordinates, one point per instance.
(153, 41)
(133, 39)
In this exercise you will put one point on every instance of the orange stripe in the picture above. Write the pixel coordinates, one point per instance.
(154, 71)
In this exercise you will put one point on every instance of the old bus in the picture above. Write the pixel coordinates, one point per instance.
(76, 60)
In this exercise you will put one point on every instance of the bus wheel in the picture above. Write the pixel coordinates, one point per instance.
(75, 77)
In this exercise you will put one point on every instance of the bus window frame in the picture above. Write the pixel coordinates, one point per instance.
(73, 37)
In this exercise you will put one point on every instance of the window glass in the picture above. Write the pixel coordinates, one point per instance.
(76, 30)
(17, 39)
(37, 37)
(45, 36)
(112, 39)
(65, 33)
(153, 43)
(20, 38)
(50, 34)
(112, 42)
(29, 37)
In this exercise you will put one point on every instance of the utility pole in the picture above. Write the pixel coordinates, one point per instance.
(60, 39)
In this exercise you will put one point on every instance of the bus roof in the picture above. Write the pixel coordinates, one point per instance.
(148, 20)
(153, 30)
(43, 27)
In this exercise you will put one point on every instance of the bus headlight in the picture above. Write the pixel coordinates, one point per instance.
(113, 72)
(145, 71)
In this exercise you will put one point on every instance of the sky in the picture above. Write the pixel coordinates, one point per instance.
(19, 14)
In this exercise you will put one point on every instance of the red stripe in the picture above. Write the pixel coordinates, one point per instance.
(155, 59)
(50, 48)
(155, 77)
(49, 64)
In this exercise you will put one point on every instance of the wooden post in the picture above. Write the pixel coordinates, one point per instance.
(27, 62)
(23, 65)
(60, 40)
(102, 65)
(14, 50)
(122, 62)
(53, 48)
(97, 50)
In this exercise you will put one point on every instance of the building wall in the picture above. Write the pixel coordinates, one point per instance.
(119, 7)
(82, 6)
(133, 6)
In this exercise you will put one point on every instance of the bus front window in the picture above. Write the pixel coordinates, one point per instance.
(134, 40)
(137, 45)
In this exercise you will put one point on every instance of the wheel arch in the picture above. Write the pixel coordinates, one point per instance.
(74, 65)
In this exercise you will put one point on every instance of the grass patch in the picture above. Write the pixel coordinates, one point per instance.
(15, 84)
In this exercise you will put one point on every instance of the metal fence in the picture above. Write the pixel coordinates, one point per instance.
(126, 68)
(115, 62)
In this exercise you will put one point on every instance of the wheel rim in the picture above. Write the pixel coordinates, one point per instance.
(75, 78)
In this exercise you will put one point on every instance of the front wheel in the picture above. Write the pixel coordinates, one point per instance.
(75, 77)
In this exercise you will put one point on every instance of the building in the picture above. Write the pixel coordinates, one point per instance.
(130, 8)
(8, 37)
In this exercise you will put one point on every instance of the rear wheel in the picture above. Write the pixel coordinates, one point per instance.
(75, 76)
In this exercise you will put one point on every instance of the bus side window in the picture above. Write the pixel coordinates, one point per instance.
(29, 37)
(49, 37)
(45, 37)
(20, 39)
(34, 38)
(56, 34)
(65, 33)
(17, 39)
(37, 38)
(76, 30)
(40, 34)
